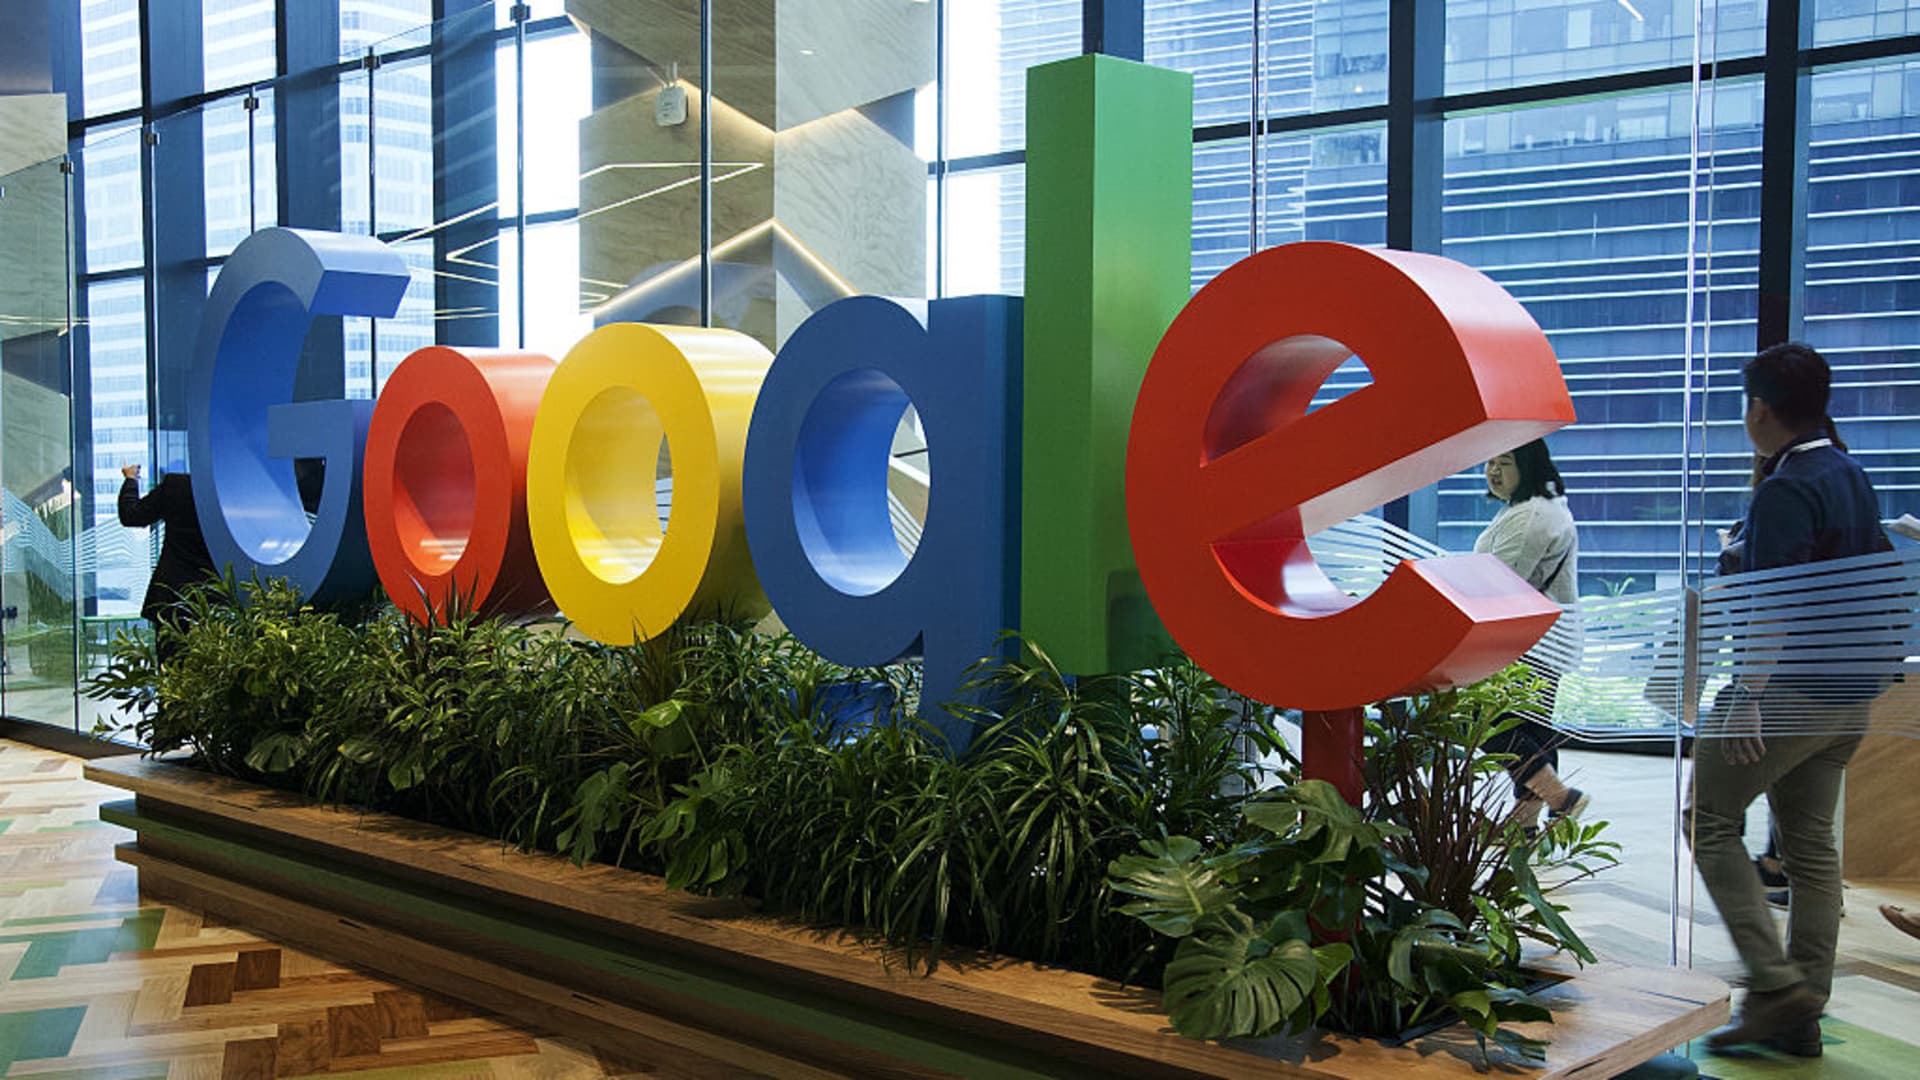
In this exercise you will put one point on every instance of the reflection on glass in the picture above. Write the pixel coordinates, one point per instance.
(990, 46)
(412, 327)
(853, 95)
(1836, 21)
(1212, 39)
(115, 339)
(367, 23)
(113, 198)
(387, 25)
(1492, 44)
(1863, 268)
(556, 298)
(266, 165)
(229, 148)
(559, 73)
(1318, 56)
(403, 138)
(37, 585)
(238, 37)
(639, 166)
(1580, 211)
(986, 232)
(1327, 186)
(1222, 201)
(109, 55)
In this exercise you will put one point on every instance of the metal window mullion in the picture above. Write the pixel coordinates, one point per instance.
(73, 408)
(371, 63)
(1785, 140)
(706, 163)
(521, 14)
(1416, 80)
(941, 162)
(1256, 190)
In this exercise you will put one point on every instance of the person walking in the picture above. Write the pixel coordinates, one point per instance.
(1813, 503)
(184, 559)
(1534, 534)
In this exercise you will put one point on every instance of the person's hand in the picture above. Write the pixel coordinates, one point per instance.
(131, 472)
(1742, 744)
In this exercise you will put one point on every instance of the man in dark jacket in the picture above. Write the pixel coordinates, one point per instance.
(184, 559)
(1787, 736)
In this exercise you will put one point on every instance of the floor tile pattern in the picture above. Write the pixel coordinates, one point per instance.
(98, 981)
(1872, 1028)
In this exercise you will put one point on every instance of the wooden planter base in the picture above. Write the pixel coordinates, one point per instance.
(697, 987)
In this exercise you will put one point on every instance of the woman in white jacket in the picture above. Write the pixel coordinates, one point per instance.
(1534, 534)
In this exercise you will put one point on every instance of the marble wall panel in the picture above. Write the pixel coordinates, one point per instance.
(33, 267)
(840, 54)
(33, 129)
(854, 198)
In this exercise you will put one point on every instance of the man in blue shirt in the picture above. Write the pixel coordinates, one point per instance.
(1814, 504)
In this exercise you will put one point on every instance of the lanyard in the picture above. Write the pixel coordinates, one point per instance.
(1781, 458)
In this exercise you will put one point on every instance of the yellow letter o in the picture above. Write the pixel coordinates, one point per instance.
(591, 472)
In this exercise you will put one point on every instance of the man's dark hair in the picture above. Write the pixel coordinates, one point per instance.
(1793, 380)
(1538, 476)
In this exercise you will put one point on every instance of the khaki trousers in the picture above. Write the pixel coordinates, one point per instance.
(1800, 776)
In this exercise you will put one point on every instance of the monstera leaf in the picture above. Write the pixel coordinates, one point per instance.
(1176, 887)
(1317, 807)
(1228, 979)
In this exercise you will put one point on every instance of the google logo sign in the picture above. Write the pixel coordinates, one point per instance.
(528, 483)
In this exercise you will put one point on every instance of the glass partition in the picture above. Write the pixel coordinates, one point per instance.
(39, 582)
(1493, 44)
(546, 299)
(113, 370)
(638, 169)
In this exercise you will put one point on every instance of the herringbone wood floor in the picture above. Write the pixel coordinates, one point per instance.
(98, 981)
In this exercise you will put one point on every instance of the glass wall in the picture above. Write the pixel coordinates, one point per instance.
(38, 515)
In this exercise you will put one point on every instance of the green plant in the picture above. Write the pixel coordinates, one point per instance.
(1368, 922)
(1114, 824)
(243, 664)
(1003, 846)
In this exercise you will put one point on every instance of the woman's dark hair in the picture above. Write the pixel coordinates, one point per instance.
(1538, 476)
(1793, 380)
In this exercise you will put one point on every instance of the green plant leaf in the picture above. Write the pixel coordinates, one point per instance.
(1227, 980)
(1177, 888)
(1529, 889)
(277, 752)
(1334, 958)
(663, 715)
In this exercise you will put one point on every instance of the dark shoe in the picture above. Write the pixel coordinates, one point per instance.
(1573, 806)
(1802, 1041)
(1779, 898)
(1765, 1014)
(1773, 874)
